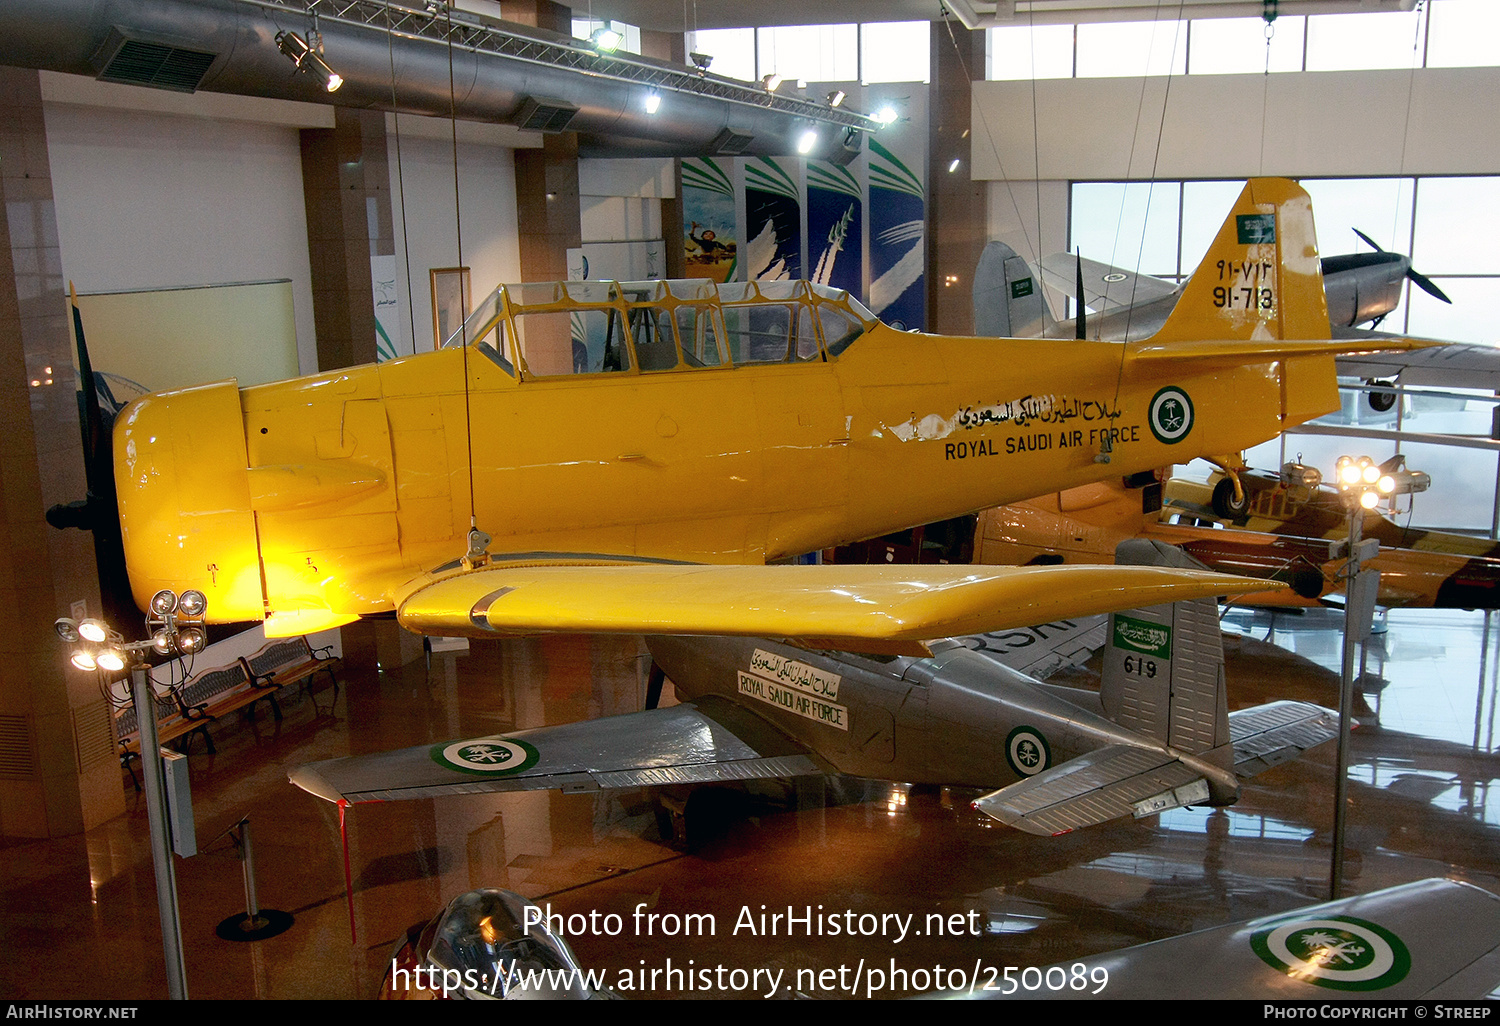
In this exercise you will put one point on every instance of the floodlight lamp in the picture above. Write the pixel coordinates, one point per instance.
(1369, 473)
(701, 61)
(84, 660)
(885, 115)
(164, 602)
(770, 83)
(193, 604)
(1369, 500)
(836, 97)
(653, 102)
(807, 141)
(1386, 484)
(93, 630)
(111, 659)
(191, 640)
(606, 39)
(161, 640)
(67, 629)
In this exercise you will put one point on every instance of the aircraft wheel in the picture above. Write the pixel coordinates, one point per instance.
(1381, 402)
(1224, 502)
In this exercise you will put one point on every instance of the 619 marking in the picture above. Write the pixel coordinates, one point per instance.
(1140, 667)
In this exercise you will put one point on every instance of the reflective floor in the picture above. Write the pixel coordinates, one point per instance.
(78, 916)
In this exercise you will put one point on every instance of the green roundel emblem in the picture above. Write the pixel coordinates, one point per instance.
(1170, 415)
(1338, 952)
(1027, 752)
(487, 756)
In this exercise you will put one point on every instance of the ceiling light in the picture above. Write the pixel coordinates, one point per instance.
(306, 59)
(807, 141)
(953, 165)
(701, 61)
(770, 83)
(653, 102)
(606, 39)
(836, 97)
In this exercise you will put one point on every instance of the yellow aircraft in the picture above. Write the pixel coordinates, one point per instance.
(630, 457)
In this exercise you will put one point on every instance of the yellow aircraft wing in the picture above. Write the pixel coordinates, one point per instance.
(861, 608)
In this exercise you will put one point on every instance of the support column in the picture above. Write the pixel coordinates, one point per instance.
(547, 207)
(958, 211)
(59, 771)
(346, 189)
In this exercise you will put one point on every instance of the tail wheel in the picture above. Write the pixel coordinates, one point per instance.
(1225, 503)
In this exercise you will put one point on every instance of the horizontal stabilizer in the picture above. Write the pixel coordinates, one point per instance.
(700, 742)
(1269, 735)
(1105, 784)
(1104, 287)
(859, 608)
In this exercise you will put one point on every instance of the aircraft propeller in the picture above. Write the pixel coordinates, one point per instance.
(1421, 281)
(98, 511)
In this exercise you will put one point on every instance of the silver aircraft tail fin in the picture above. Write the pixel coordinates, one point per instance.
(1164, 666)
(1008, 301)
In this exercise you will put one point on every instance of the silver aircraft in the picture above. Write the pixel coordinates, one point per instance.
(1156, 736)
(1432, 939)
(1362, 288)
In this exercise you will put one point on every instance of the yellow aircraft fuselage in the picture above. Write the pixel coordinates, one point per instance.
(313, 501)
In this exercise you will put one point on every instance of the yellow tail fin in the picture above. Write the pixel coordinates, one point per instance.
(1261, 279)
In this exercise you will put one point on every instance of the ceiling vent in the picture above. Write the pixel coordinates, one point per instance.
(136, 60)
(542, 115)
(729, 143)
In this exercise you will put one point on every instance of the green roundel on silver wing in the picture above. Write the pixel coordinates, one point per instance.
(1027, 751)
(486, 756)
(1338, 952)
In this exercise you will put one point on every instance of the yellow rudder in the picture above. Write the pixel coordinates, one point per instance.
(1261, 279)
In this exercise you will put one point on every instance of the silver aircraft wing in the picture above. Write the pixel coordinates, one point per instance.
(706, 740)
(1433, 939)
(1277, 732)
(1105, 288)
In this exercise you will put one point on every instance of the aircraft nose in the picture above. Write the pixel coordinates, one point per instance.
(184, 496)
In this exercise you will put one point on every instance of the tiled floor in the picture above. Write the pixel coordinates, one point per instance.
(78, 915)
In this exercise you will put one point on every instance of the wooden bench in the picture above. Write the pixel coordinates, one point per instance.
(284, 662)
(189, 708)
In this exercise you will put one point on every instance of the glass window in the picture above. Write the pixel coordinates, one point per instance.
(810, 53)
(1019, 54)
(733, 51)
(1362, 42)
(571, 342)
(1238, 46)
(895, 51)
(771, 333)
(655, 346)
(1204, 207)
(1132, 48)
(1378, 207)
(700, 339)
(1458, 220)
(1462, 494)
(839, 329)
(1132, 225)
(1462, 33)
(1473, 316)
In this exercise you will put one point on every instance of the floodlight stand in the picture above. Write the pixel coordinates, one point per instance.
(1355, 632)
(156, 815)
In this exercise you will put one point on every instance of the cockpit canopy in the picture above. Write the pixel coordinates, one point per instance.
(548, 329)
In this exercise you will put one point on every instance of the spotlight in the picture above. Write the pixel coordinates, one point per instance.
(191, 640)
(770, 83)
(836, 97)
(701, 61)
(884, 116)
(93, 630)
(653, 102)
(84, 660)
(606, 39)
(67, 629)
(111, 659)
(807, 141)
(164, 602)
(307, 59)
(193, 604)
